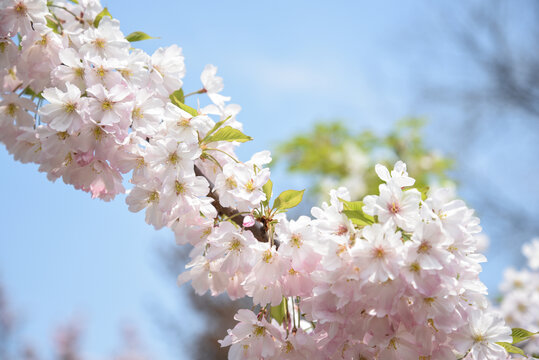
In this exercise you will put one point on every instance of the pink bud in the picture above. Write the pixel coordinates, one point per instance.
(248, 221)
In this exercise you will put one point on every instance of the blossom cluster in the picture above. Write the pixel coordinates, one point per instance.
(404, 286)
(392, 277)
(520, 296)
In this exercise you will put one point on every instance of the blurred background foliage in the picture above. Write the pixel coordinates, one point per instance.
(333, 155)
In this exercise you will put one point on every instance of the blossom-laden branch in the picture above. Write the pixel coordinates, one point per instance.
(393, 277)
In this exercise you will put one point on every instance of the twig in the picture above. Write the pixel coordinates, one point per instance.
(257, 229)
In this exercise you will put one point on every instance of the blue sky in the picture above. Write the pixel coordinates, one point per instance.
(287, 64)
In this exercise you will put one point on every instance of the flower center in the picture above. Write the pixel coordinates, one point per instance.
(235, 245)
(79, 72)
(153, 197)
(424, 247)
(250, 185)
(137, 113)
(428, 300)
(414, 267)
(267, 257)
(106, 105)
(62, 135)
(20, 9)
(379, 253)
(184, 122)
(101, 72)
(231, 183)
(98, 133)
(394, 207)
(69, 107)
(126, 73)
(100, 43)
(173, 158)
(180, 187)
(12, 109)
(296, 240)
(342, 230)
(259, 330)
(478, 338)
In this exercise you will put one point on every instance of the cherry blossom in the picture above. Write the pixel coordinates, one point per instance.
(394, 276)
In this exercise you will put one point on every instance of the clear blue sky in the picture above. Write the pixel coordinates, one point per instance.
(287, 64)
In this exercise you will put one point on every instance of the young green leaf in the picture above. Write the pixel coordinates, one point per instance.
(104, 12)
(353, 211)
(519, 335)
(288, 199)
(74, 1)
(175, 99)
(268, 190)
(278, 312)
(227, 133)
(32, 93)
(215, 127)
(139, 36)
(53, 25)
(510, 348)
(177, 96)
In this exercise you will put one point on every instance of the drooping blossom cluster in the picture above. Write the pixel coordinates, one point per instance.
(405, 286)
(520, 296)
(393, 277)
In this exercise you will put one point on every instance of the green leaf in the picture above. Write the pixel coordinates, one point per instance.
(510, 348)
(74, 1)
(177, 96)
(278, 312)
(227, 133)
(175, 99)
(32, 93)
(217, 126)
(53, 25)
(424, 192)
(353, 211)
(268, 190)
(519, 335)
(139, 36)
(288, 199)
(104, 12)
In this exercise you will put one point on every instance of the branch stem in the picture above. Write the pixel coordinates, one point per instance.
(234, 215)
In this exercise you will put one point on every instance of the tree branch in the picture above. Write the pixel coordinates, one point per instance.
(257, 229)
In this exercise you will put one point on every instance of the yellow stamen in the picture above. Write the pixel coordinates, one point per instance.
(100, 43)
(137, 113)
(231, 183)
(180, 187)
(101, 72)
(20, 9)
(235, 245)
(296, 240)
(184, 122)
(79, 72)
(424, 247)
(106, 105)
(267, 257)
(62, 135)
(153, 197)
(173, 158)
(12, 109)
(98, 133)
(250, 185)
(259, 330)
(414, 267)
(70, 107)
